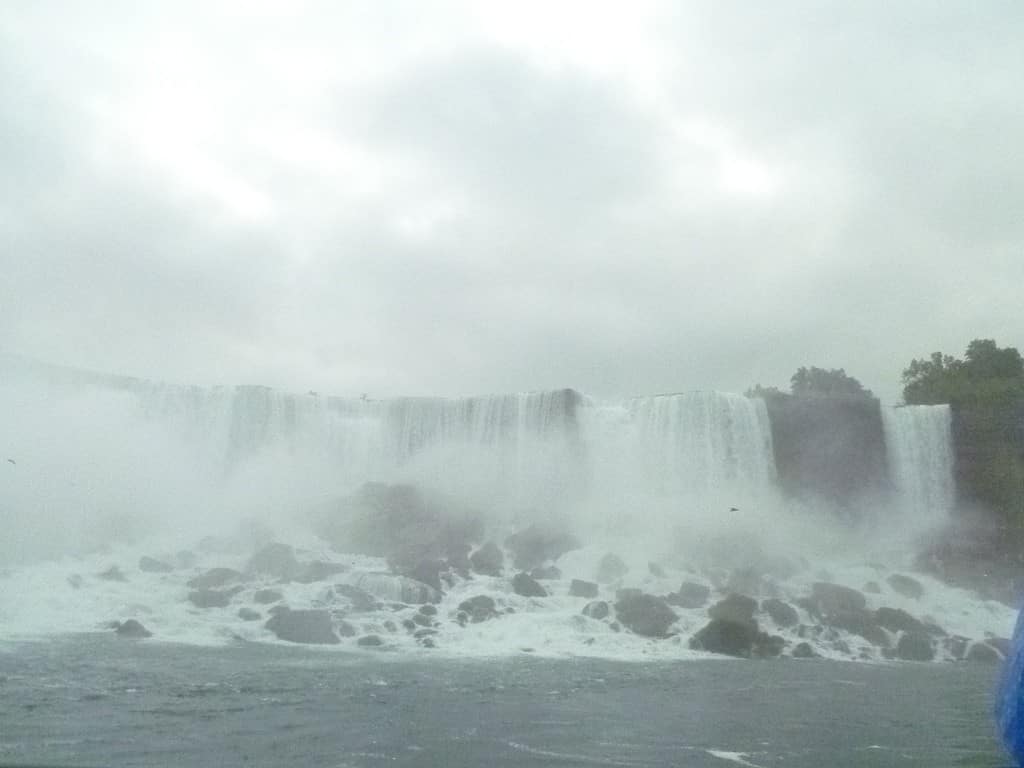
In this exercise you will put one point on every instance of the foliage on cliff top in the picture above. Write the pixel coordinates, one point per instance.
(816, 382)
(987, 375)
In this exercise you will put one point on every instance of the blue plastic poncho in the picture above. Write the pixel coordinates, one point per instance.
(1010, 695)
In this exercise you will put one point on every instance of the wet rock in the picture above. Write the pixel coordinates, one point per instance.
(956, 646)
(152, 565)
(428, 642)
(726, 637)
(536, 545)
(345, 629)
(547, 572)
(305, 626)
(827, 598)
(983, 652)
(390, 626)
(409, 625)
(644, 614)
(523, 584)
(898, 620)
(803, 651)
(656, 570)
(1001, 644)
(915, 646)
(690, 595)
(422, 620)
(580, 588)
(419, 634)
(248, 614)
(489, 560)
(210, 598)
(402, 524)
(478, 608)
(113, 573)
(768, 646)
(735, 608)
(862, 623)
(906, 586)
(318, 570)
(370, 641)
(782, 613)
(428, 610)
(598, 609)
(266, 596)
(132, 629)
(215, 577)
(427, 572)
(359, 599)
(611, 568)
(275, 560)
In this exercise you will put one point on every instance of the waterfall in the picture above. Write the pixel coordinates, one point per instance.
(698, 441)
(920, 454)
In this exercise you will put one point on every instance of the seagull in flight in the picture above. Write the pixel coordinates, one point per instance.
(734, 509)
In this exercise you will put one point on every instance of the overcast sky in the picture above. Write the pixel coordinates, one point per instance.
(454, 198)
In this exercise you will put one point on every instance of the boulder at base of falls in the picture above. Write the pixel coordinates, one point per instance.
(546, 572)
(359, 599)
(402, 524)
(489, 560)
(782, 613)
(248, 614)
(898, 620)
(580, 588)
(915, 646)
(478, 608)
(267, 596)
(610, 569)
(644, 614)
(738, 609)
(215, 577)
(983, 652)
(861, 623)
(827, 598)
(525, 585)
(535, 545)
(305, 626)
(690, 595)
(803, 651)
(427, 572)
(726, 637)
(275, 560)
(598, 609)
(370, 641)
(906, 586)
(132, 629)
(152, 565)
(210, 598)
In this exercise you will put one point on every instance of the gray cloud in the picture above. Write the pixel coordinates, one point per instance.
(341, 202)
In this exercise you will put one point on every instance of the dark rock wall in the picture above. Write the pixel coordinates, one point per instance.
(830, 448)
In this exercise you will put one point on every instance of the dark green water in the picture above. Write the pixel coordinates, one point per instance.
(97, 701)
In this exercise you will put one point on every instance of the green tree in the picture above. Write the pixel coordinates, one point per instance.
(986, 375)
(814, 382)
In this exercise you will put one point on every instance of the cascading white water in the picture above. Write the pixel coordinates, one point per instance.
(920, 455)
(698, 441)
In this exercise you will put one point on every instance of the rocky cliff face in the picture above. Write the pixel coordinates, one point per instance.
(830, 448)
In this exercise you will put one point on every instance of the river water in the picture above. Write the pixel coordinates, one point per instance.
(96, 700)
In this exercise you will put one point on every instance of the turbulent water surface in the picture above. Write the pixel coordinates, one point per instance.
(95, 700)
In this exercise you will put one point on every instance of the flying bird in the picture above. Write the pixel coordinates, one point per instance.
(12, 461)
(734, 509)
